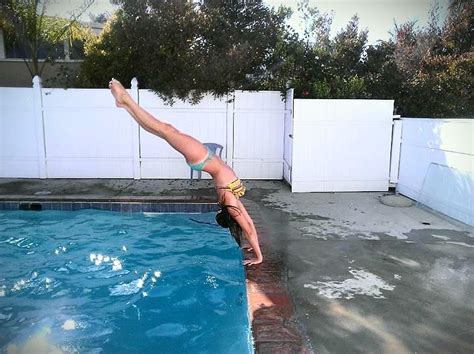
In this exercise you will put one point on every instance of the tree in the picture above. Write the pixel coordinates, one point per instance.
(181, 49)
(310, 54)
(240, 45)
(458, 32)
(344, 70)
(328, 67)
(436, 64)
(37, 35)
(381, 75)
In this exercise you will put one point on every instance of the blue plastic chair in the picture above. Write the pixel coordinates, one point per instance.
(216, 149)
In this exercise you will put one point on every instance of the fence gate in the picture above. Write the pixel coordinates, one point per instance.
(341, 145)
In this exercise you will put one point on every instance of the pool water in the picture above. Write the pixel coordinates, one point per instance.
(93, 281)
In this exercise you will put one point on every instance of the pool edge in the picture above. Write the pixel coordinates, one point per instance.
(124, 206)
(274, 324)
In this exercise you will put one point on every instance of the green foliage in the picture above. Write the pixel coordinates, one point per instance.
(381, 74)
(183, 49)
(347, 49)
(329, 67)
(427, 71)
(435, 65)
(107, 57)
(65, 78)
(457, 35)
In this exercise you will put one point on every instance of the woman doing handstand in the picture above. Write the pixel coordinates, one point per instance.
(228, 186)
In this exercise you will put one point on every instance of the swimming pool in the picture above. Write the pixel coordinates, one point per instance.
(94, 281)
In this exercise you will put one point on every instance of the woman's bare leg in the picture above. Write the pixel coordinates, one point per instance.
(192, 150)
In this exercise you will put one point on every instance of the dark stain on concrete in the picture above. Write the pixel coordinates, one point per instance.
(302, 217)
(15, 185)
(383, 236)
(258, 194)
(438, 235)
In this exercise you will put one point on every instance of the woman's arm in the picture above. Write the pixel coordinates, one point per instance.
(241, 216)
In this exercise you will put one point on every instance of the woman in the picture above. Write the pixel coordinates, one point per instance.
(228, 186)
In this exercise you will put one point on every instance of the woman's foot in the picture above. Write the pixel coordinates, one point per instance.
(122, 98)
(253, 261)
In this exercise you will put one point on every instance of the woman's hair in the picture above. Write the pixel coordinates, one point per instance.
(224, 219)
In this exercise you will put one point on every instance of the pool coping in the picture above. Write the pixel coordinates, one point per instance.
(271, 311)
(117, 206)
(275, 326)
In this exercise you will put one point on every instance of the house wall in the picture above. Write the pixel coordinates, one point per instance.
(14, 73)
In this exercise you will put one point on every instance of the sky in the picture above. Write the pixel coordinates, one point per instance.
(378, 16)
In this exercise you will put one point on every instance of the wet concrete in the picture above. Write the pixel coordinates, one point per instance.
(370, 278)
(364, 277)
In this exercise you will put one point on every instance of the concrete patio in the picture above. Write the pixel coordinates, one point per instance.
(363, 277)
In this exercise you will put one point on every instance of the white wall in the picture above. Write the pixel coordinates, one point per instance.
(341, 145)
(437, 165)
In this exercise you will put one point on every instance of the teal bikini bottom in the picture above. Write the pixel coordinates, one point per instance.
(200, 165)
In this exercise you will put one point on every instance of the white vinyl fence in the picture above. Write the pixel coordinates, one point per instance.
(79, 133)
(206, 121)
(437, 165)
(340, 145)
(20, 134)
(86, 135)
(315, 145)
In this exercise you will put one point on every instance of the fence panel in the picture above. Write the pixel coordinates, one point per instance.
(259, 134)
(437, 165)
(341, 145)
(18, 140)
(81, 134)
(86, 135)
(206, 121)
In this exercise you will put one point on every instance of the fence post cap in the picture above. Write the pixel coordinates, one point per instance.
(134, 82)
(37, 80)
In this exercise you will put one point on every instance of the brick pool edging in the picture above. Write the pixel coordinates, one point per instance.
(119, 206)
(274, 325)
(271, 311)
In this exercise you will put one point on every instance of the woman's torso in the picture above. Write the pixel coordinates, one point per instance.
(221, 174)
